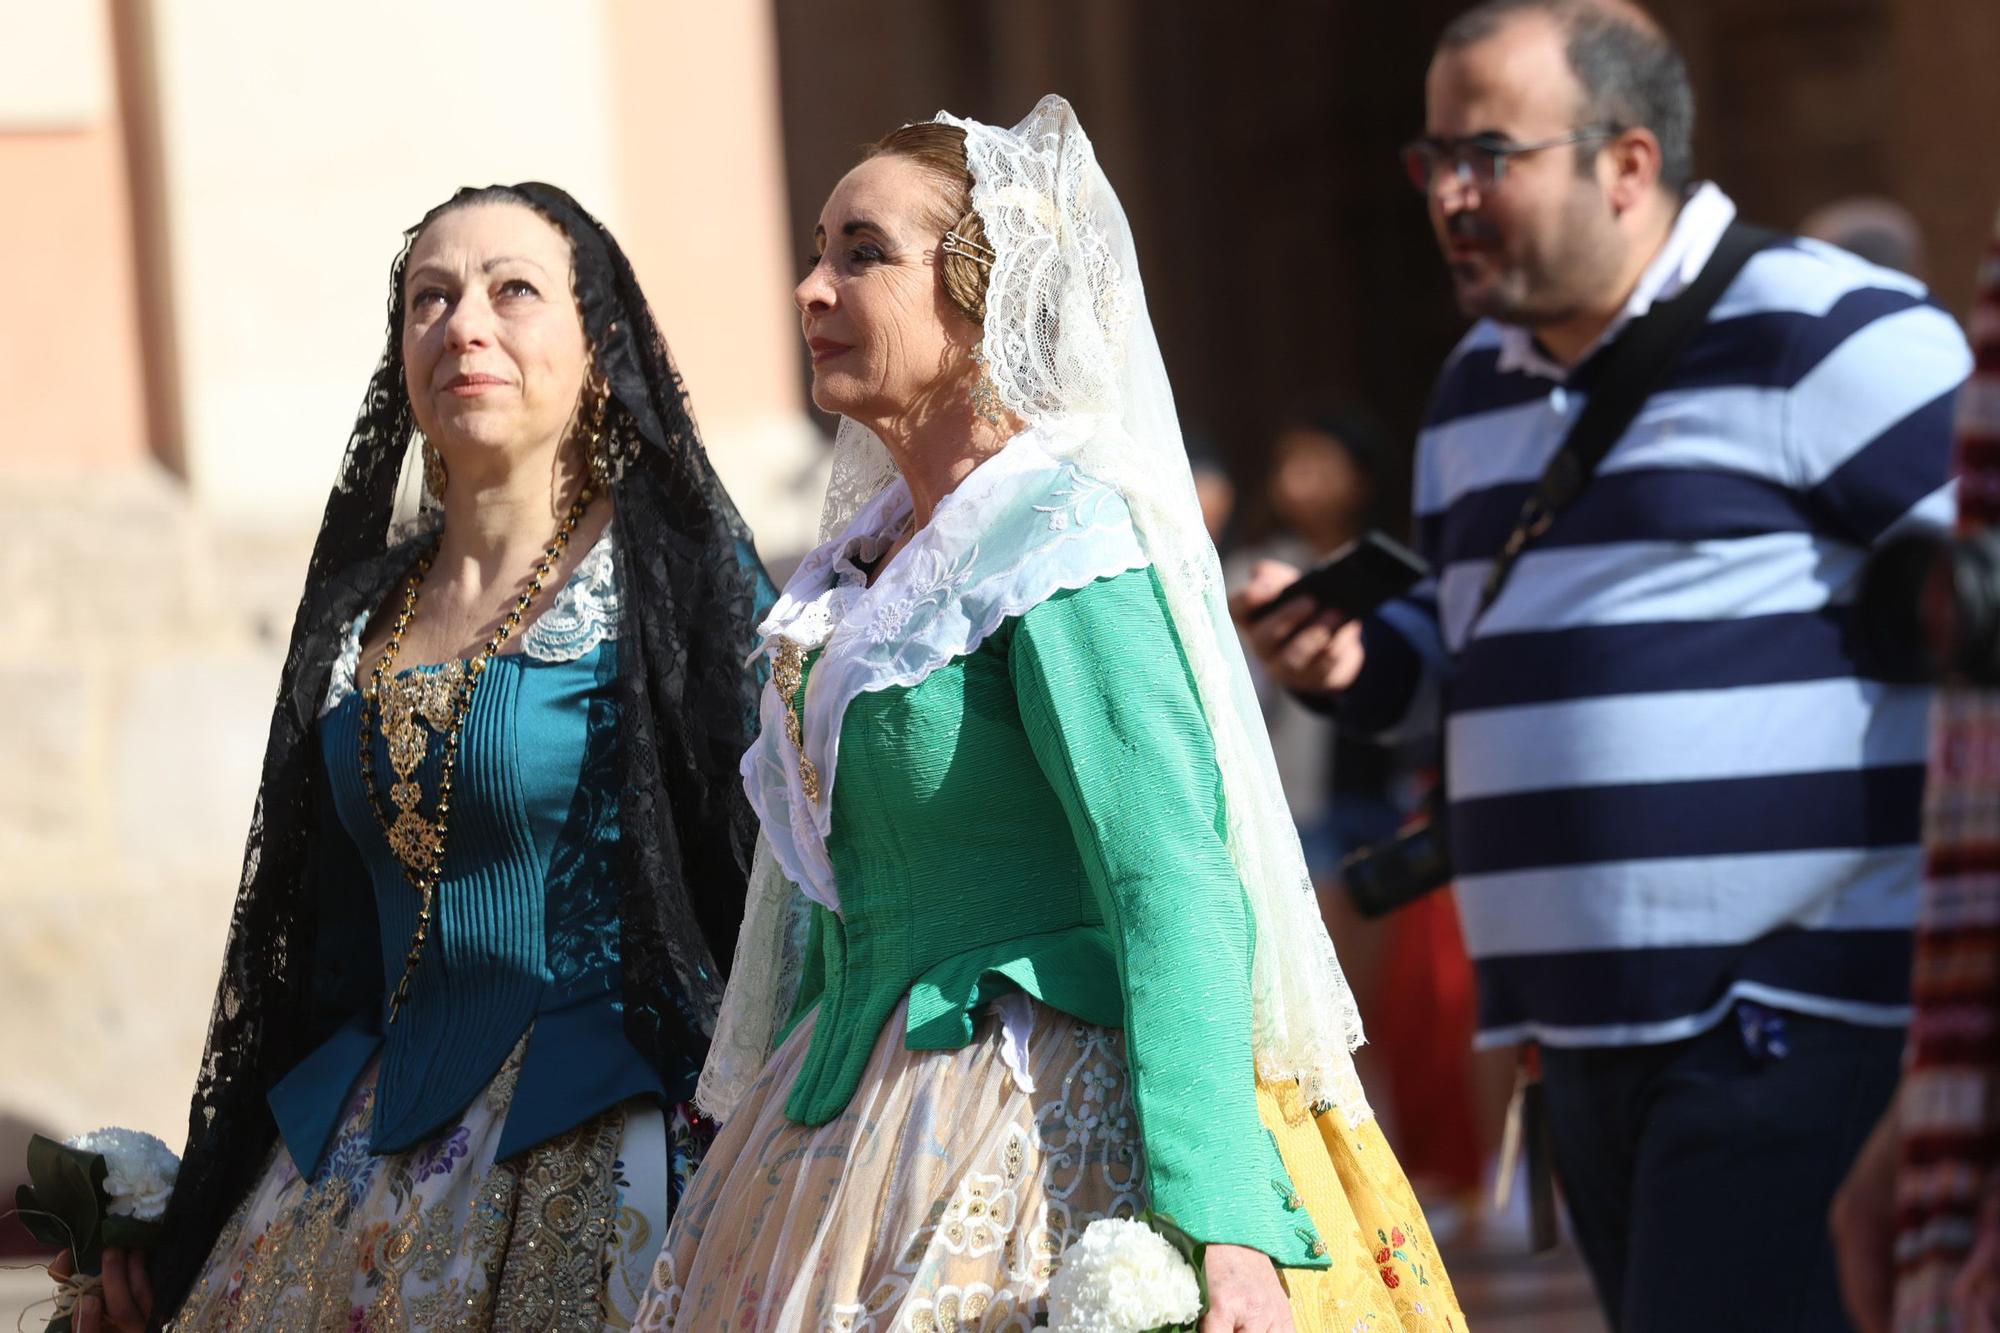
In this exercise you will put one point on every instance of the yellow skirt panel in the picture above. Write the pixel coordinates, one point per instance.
(1386, 1274)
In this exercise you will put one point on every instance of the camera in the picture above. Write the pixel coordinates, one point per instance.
(1929, 607)
(1385, 876)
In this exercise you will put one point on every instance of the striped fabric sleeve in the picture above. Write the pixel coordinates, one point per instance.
(1397, 696)
(1867, 423)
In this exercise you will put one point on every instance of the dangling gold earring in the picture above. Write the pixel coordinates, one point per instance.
(596, 445)
(985, 395)
(435, 477)
(599, 459)
(600, 462)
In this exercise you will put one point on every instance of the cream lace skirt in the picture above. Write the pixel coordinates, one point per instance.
(442, 1237)
(941, 1198)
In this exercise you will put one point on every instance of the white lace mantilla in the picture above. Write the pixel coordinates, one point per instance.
(583, 615)
(1022, 527)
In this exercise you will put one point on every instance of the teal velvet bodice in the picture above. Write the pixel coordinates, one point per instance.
(525, 935)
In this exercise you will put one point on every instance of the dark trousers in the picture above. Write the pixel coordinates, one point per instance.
(1698, 1174)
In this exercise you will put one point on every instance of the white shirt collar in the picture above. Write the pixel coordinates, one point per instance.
(1697, 231)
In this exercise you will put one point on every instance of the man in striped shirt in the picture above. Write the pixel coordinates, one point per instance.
(1683, 817)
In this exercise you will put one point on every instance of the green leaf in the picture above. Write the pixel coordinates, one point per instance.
(1193, 1251)
(69, 1184)
(43, 1225)
(47, 1228)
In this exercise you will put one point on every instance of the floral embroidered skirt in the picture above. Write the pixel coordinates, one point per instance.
(942, 1197)
(1386, 1273)
(443, 1237)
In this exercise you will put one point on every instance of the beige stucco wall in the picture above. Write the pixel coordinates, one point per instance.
(71, 396)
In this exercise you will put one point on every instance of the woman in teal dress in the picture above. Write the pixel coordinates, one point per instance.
(499, 848)
(1061, 960)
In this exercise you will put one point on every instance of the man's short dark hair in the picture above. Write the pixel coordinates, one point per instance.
(1631, 73)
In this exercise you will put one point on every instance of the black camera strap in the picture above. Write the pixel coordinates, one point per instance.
(1622, 377)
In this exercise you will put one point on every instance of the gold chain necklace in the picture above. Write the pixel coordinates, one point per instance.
(787, 674)
(440, 700)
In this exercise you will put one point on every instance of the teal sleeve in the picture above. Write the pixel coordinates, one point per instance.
(1110, 709)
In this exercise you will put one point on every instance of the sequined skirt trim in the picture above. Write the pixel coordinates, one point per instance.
(442, 1237)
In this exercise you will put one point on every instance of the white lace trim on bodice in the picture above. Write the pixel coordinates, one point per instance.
(583, 615)
(1022, 527)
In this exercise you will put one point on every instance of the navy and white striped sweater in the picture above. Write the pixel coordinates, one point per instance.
(1670, 785)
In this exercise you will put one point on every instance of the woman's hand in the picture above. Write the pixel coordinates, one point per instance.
(1244, 1294)
(1864, 1227)
(123, 1304)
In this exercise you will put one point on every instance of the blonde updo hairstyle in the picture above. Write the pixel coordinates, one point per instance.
(940, 150)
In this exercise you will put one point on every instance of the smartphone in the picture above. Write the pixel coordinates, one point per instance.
(1356, 579)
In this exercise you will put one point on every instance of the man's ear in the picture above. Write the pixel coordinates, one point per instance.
(1629, 168)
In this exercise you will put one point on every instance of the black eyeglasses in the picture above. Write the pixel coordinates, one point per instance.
(1481, 159)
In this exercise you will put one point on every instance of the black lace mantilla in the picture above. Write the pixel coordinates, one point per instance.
(693, 592)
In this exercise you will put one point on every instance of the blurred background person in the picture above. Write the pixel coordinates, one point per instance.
(1319, 494)
(1880, 231)
(1214, 488)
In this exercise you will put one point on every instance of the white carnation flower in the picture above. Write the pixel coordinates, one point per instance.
(139, 1170)
(1121, 1277)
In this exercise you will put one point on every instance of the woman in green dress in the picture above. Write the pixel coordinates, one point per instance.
(1062, 959)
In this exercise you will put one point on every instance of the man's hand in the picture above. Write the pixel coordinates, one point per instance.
(1244, 1294)
(1306, 650)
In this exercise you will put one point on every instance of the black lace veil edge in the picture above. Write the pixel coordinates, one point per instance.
(694, 589)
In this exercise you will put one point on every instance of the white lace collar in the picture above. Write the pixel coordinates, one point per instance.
(1022, 527)
(583, 615)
